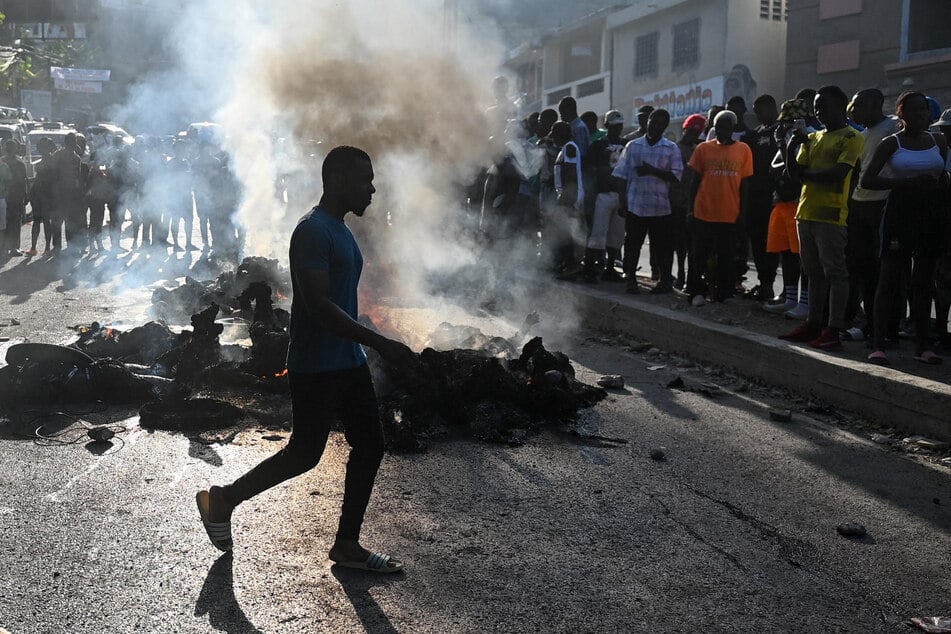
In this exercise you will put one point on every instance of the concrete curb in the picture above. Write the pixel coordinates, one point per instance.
(910, 403)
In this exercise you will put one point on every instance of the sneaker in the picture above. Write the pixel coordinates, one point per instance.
(853, 334)
(828, 339)
(31, 253)
(780, 308)
(800, 311)
(679, 283)
(662, 288)
(802, 333)
(611, 275)
(632, 287)
(698, 301)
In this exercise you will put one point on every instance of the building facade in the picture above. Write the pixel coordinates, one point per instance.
(680, 55)
(894, 46)
(687, 55)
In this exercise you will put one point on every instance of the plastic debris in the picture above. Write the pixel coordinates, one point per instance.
(882, 439)
(851, 529)
(933, 624)
(611, 381)
(655, 368)
(780, 415)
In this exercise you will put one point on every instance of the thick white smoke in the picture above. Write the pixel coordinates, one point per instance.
(288, 80)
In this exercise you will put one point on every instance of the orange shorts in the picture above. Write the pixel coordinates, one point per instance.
(783, 235)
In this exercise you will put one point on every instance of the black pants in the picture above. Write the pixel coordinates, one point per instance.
(11, 235)
(711, 238)
(636, 228)
(922, 285)
(865, 219)
(317, 400)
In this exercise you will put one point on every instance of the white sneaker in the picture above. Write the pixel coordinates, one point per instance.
(779, 309)
(698, 301)
(800, 312)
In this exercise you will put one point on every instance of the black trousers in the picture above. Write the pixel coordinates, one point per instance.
(11, 235)
(707, 239)
(318, 400)
(862, 256)
(659, 228)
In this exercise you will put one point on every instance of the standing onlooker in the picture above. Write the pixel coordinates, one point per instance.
(68, 198)
(693, 128)
(755, 226)
(16, 199)
(607, 227)
(783, 236)
(568, 109)
(865, 209)
(643, 114)
(717, 196)
(942, 286)
(566, 214)
(914, 224)
(41, 196)
(823, 161)
(206, 170)
(646, 169)
(180, 204)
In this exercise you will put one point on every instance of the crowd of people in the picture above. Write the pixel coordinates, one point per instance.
(161, 187)
(851, 204)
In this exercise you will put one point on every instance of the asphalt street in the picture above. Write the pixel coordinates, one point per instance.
(734, 531)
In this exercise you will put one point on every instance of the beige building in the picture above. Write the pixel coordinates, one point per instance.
(686, 55)
(681, 55)
(892, 45)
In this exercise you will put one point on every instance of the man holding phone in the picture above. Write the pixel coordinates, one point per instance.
(824, 162)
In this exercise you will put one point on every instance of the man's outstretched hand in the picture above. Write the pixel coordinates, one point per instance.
(398, 354)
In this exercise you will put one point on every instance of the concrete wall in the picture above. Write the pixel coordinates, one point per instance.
(561, 66)
(731, 34)
(877, 29)
(758, 44)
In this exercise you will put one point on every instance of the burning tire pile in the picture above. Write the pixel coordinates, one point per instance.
(189, 381)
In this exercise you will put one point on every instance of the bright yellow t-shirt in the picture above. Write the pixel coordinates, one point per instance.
(828, 202)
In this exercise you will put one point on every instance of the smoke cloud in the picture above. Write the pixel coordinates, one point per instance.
(289, 80)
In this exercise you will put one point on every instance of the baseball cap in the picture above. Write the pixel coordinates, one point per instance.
(944, 119)
(613, 117)
(794, 109)
(697, 121)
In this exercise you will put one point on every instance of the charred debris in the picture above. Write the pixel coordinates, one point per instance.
(465, 383)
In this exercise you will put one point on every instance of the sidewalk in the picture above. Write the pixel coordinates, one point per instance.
(738, 334)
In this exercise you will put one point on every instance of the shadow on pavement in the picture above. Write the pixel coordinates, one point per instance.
(356, 585)
(217, 600)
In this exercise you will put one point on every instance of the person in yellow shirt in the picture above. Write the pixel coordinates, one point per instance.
(824, 162)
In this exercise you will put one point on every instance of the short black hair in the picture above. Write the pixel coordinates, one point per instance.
(834, 92)
(590, 117)
(874, 94)
(660, 112)
(764, 99)
(568, 104)
(341, 160)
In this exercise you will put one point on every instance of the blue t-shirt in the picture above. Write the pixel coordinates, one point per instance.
(324, 243)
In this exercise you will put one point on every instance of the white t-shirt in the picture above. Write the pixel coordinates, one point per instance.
(873, 136)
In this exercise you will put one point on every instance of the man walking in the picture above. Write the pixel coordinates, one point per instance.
(327, 367)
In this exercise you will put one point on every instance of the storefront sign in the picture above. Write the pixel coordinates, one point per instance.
(74, 85)
(79, 74)
(683, 101)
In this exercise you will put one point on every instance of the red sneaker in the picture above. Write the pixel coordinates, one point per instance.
(804, 332)
(828, 339)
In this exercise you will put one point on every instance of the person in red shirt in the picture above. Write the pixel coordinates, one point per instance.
(718, 193)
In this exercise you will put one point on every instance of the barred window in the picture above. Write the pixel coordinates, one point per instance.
(645, 55)
(687, 44)
(773, 10)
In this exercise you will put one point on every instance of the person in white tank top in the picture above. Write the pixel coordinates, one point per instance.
(915, 220)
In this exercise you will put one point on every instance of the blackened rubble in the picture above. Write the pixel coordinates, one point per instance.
(490, 397)
(480, 386)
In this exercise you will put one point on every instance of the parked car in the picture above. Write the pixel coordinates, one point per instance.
(99, 131)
